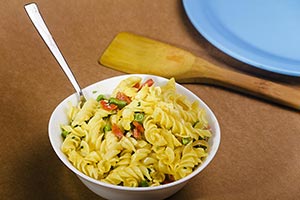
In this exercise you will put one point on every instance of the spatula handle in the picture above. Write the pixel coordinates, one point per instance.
(268, 90)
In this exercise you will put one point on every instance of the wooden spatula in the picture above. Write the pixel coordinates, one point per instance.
(136, 54)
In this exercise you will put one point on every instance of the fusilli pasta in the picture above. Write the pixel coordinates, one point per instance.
(143, 135)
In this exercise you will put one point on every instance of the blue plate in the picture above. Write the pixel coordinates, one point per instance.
(262, 33)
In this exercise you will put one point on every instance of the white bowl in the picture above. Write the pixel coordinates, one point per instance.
(109, 191)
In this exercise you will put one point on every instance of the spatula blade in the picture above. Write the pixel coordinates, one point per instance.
(131, 53)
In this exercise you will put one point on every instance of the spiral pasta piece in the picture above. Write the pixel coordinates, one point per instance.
(129, 176)
(85, 113)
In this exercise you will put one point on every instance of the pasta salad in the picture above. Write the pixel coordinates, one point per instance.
(141, 135)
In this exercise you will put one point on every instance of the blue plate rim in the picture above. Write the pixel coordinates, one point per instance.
(231, 52)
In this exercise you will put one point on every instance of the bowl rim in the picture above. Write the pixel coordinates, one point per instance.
(201, 167)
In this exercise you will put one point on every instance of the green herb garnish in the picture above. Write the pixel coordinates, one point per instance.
(144, 183)
(64, 133)
(100, 97)
(139, 117)
(120, 103)
(106, 128)
(186, 140)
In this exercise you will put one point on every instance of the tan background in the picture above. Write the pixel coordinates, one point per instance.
(259, 155)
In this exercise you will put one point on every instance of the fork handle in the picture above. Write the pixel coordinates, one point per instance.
(37, 20)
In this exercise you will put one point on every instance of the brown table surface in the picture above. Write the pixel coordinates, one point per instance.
(259, 155)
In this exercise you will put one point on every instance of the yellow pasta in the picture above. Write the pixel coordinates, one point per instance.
(142, 135)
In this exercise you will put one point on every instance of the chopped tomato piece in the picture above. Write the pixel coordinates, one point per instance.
(138, 126)
(207, 128)
(123, 97)
(169, 179)
(106, 106)
(117, 131)
(137, 85)
(138, 130)
(149, 83)
(137, 134)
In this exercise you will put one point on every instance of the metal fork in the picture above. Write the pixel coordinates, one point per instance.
(37, 20)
